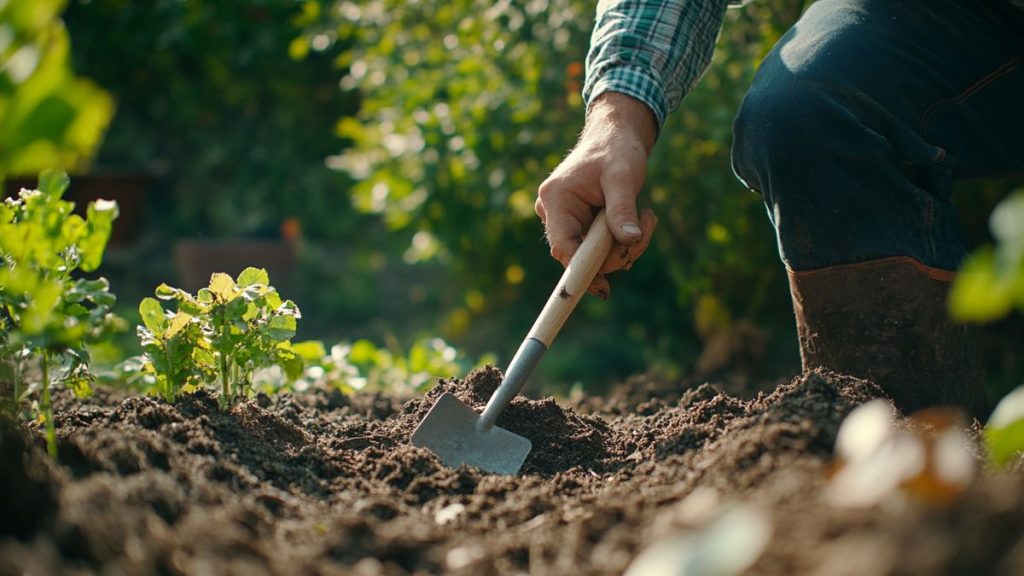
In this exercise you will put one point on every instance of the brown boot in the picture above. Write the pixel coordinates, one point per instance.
(886, 321)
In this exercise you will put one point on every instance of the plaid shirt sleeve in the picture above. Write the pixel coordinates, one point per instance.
(652, 50)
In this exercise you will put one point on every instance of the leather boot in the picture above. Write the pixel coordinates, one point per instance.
(886, 321)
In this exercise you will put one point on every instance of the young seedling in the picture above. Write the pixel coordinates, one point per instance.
(47, 316)
(226, 331)
(176, 354)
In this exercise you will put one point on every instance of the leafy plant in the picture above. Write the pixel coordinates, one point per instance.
(363, 365)
(48, 117)
(47, 315)
(991, 283)
(226, 331)
(1004, 432)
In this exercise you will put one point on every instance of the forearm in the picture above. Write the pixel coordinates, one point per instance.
(653, 51)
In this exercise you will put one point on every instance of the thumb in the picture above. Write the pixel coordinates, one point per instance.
(620, 207)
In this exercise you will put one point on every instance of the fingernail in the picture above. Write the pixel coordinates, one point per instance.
(631, 229)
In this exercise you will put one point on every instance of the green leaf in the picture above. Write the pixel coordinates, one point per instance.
(310, 350)
(165, 292)
(53, 183)
(1005, 443)
(979, 293)
(1007, 220)
(253, 276)
(363, 352)
(96, 291)
(39, 312)
(152, 314)
(236, 309)
(292, 363)
(177, 323)
(282, 327)
(222, 286)
(203, 357)
(273, 300)
(100, 223)
(1004, 432)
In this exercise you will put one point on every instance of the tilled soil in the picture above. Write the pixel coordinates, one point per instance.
(320, 483)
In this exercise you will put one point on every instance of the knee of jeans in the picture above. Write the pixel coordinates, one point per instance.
(783, 123)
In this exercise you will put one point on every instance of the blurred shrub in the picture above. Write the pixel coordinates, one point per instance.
(211, 100)
(467, 105)
(49, 118)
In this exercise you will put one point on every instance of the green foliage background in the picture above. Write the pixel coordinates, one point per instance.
(468, 105)
(409, 138)
(210, 101)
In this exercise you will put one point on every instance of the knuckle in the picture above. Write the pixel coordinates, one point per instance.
(546, 189)
(621, 209)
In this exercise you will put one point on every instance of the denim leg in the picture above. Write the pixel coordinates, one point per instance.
(866, 111)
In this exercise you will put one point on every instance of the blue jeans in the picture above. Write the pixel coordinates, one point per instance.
(866, 111)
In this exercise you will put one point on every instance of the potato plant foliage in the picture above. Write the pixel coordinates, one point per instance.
(224, 332)
(47, 316)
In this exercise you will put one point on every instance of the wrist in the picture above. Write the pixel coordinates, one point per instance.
(620, 112)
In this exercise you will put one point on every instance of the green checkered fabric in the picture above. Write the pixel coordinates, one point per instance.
(654, 51)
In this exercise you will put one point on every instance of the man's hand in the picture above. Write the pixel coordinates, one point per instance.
(605, 169)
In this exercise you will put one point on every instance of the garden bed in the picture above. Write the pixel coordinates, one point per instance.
(321, 483)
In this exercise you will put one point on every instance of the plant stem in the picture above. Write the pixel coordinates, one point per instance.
(225, 380)
(17, 385)
(47, 407)
(168, 391)
(241, 390)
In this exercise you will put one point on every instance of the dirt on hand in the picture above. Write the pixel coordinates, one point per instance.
(320, 483)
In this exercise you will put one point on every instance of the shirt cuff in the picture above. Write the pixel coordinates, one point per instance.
(636, 81)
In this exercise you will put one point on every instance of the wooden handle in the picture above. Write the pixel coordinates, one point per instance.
(578, 275)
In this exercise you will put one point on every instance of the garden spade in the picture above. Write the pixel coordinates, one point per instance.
(456, 432)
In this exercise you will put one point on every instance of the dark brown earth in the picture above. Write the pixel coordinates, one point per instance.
(320, 483)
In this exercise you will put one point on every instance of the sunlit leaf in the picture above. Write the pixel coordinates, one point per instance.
(310, 350)
(222, 286)
(979, 293)
(152, 315)
(1004, 432)
(282, 327)
(363, 352)
(177, 323)
(53, 182)
(252, 276)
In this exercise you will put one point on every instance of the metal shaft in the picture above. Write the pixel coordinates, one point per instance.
(522, 365)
